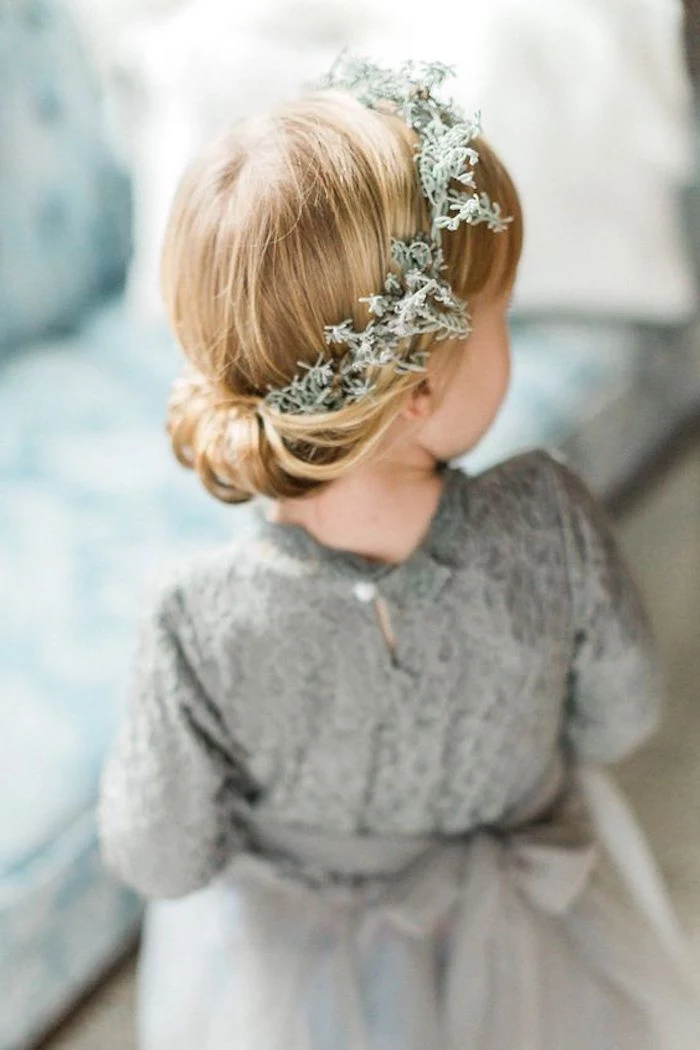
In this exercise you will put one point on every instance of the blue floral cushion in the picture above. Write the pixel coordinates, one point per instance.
(93, 505)
(64, 205)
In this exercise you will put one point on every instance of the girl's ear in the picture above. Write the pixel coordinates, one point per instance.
(421, 403)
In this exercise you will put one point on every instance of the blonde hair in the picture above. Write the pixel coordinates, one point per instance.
(278, 230)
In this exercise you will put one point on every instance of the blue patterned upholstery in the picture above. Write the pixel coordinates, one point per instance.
(64, 205)
(93, 504)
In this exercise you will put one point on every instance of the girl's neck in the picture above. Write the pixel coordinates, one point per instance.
(382, 510)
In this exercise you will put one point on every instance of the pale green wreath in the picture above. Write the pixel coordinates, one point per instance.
(417, 299)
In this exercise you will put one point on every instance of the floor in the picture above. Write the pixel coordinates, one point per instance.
(661, 536)
(663, 781)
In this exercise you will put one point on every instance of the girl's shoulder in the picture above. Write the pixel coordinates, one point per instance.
(538, 496)
(533, 466)
(536, 482)
(228, 585)
(530, 505)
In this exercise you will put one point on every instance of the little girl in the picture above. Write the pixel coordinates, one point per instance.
(358, 740)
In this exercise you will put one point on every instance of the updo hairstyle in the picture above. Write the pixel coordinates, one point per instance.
(278, 229)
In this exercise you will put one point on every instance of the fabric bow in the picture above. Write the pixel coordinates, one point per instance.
(455, 893)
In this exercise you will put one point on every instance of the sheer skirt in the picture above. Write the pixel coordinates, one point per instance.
(553, 933)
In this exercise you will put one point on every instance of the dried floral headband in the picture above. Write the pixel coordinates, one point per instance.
(418, 299)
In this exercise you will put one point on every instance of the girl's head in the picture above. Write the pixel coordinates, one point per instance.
(280, 229)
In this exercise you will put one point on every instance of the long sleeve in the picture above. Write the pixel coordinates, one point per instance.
(174, 789)
(615, 687)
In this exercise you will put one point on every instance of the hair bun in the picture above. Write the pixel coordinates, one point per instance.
(221, 436)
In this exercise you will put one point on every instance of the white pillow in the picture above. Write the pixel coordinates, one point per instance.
(587, 101)
(589, 104)
(198, 72)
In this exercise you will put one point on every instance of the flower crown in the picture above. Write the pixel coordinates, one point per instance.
(417, 299)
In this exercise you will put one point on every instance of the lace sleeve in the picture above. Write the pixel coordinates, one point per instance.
(174, 789)
(615, 687)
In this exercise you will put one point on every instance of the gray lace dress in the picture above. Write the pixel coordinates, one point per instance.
(373, 787)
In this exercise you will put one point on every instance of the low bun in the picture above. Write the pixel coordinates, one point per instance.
(222, 437)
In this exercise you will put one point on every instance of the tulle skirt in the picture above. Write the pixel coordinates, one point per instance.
(554, 933)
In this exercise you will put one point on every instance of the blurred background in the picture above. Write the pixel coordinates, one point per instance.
(591, 104)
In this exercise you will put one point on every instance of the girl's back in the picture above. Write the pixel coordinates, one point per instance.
(425, 698)
(364, 750)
